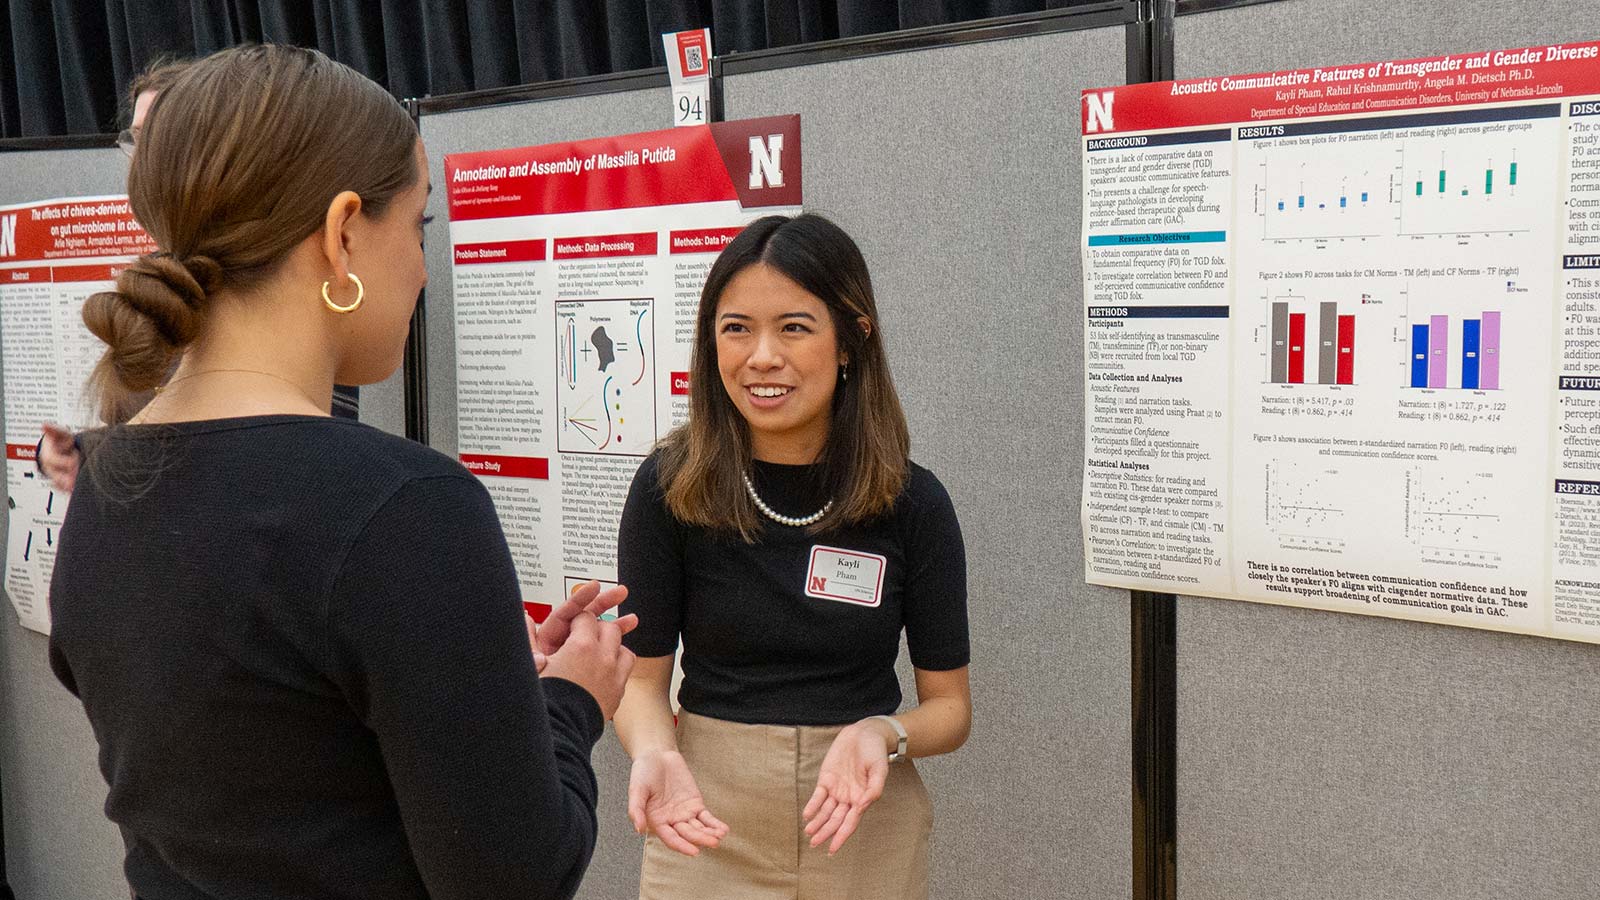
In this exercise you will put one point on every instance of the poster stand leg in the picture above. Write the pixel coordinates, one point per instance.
(1153, 616)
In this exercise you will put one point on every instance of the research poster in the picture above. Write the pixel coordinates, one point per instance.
(577, 270)
(1342, 338)
(53, 255)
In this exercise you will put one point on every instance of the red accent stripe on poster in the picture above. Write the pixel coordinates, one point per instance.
(507, 466)
(26, 452)
(500, 252)
(680, 384)
(67, 274)
(1464, 79)
(599, 246)
(538, 611)
(701, 240)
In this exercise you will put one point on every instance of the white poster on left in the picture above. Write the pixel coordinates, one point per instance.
(53, 255)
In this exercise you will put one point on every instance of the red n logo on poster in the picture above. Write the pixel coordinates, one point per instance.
(766, 161)
(1098, 114)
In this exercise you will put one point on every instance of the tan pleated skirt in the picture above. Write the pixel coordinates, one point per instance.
(757, 779)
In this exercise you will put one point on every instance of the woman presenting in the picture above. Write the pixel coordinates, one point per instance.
(786, 538)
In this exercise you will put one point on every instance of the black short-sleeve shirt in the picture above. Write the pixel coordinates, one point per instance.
(301, 645)
(796, 628)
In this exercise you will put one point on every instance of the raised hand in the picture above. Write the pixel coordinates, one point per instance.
(59, 458)
(592, 657)
(585, 598)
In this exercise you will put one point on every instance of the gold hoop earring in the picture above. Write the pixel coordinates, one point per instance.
(361, 294)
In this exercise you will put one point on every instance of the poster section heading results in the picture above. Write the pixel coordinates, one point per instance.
(1343, 338)
(577, 269)
(53, 255)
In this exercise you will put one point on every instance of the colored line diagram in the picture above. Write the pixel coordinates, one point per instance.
(605, 376)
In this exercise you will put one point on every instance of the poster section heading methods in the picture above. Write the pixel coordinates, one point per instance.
(1343, 338)
(53, 255)
(577, 270)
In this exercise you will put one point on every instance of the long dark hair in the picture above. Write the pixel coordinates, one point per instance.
(863, 462)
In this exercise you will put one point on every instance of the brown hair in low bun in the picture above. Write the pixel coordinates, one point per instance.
(237, 163)
(146, 322)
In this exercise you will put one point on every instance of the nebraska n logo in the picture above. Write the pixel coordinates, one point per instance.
(766, 161)
(1099, 112)
(8, 235)
(819, 583)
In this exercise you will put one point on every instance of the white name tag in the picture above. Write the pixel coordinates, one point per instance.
(848, 576)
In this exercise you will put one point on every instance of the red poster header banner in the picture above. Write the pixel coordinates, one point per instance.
(601, 246)
(1502, 76)
(24, 452)
(702, 240)
(68, 274)
(38, 275)
(500, 252)
(536, 467)
(71, 229)
(753, 161)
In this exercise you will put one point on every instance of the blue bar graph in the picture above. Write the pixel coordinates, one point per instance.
(1341, 203)
(1280, 205)
(1302, 201)
(1419, 356)
(1470, 353)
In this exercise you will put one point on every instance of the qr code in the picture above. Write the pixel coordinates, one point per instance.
(694, 59)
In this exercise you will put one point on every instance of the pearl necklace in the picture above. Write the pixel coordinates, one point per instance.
(780, 518)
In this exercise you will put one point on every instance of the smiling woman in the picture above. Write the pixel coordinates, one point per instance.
(786, 539)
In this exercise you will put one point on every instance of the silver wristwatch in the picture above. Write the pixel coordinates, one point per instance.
(899, 751)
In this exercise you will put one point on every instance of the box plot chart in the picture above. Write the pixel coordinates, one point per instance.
(605, 376)
(1450, 189)
(1301, 199)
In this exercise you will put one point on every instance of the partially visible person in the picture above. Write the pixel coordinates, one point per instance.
(157, 77)
(785, 537)
(59, 453)
(299, 640)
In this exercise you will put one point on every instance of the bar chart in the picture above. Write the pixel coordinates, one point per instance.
(1463, 353)
(1293, 349)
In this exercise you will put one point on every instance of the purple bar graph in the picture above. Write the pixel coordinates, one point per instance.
(1438, 350)
(1489, 367)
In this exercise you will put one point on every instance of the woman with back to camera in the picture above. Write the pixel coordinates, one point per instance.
(786, 538)
(299, 640)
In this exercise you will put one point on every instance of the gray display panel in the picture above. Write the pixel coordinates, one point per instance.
(1324, 756)
(956, 170)
(615, 870)
(59, 843)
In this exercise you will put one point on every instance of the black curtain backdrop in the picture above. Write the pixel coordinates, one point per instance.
(65, 64)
